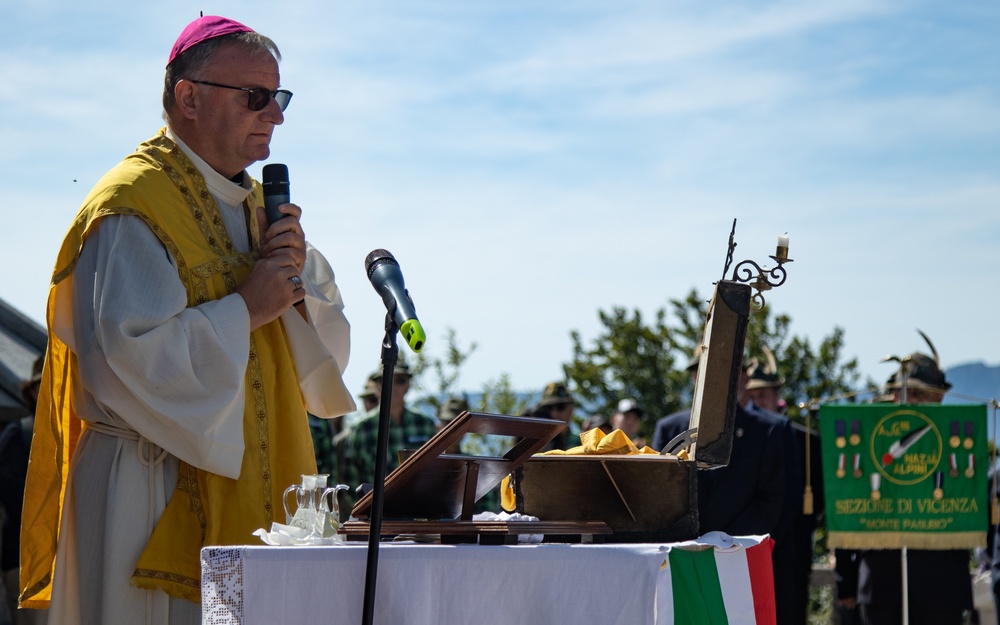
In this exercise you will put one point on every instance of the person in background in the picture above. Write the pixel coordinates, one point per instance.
(408, 430)
(370, 393)
(188, 339)
(793, 558)
(556, 403)
(15, 441)
(323, 433)
(672, 421)
(369, 396)
(596, 421)
(940, 587)
(764, 384)
(990, 559)
(628, 419)
(747, 496)
(451, 408)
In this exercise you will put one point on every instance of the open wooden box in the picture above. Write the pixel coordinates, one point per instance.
(637, 498)
(432, 492)
(643, 497)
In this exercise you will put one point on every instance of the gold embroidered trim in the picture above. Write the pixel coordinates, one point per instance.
(255, 385)
(203, 207)
(224, 267)
(170, 583)
(31, 591)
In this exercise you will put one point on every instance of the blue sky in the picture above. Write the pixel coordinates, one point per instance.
(531, 163)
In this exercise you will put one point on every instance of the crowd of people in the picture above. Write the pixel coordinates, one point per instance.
(764, 489)
(194, 370)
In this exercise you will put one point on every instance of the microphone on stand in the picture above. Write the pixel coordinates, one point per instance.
(386, 277)
(384, 274)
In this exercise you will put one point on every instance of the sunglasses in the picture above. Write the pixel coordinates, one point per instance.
(257, 97)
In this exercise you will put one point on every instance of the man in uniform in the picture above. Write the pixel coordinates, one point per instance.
(556, 403)
(747, 496)
(408, 430)
(940, 587)
(793, 556)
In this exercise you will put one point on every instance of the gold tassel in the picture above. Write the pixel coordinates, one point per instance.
(807, 500)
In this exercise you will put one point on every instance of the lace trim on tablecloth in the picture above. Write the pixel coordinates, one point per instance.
(222, 586)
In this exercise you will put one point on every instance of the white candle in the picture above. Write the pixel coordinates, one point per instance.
(782, 251)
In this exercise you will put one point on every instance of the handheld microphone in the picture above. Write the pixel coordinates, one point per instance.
(386, 277)
(276, 190)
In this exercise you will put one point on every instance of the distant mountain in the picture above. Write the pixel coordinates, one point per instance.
(975, 382)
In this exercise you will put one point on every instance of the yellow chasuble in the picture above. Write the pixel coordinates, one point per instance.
(159, 184)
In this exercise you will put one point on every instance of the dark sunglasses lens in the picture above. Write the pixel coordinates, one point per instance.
(257, 99)
(282, 97)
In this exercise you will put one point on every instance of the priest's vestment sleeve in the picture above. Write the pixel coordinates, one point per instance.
(173, 374)
(321, 347)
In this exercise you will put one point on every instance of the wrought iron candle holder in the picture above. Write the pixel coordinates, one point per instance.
(758, 277)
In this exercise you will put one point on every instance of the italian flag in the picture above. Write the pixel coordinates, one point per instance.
(716, 580)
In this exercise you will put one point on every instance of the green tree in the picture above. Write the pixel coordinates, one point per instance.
(630, 358)
(447, 371)
(809, 374)
(499, 398)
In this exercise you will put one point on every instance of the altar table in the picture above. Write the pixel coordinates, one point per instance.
(715, 579)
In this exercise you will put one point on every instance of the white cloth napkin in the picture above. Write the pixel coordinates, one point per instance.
(511, 516)
(286, 535)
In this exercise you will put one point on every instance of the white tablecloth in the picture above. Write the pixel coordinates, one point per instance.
(423, 584)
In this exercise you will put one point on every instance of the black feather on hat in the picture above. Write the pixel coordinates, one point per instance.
(922, 371)
(764, 375)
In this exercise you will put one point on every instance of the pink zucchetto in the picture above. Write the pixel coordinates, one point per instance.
(203, 29)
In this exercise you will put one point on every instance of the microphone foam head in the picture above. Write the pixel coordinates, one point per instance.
(275, 179)
(377, 258)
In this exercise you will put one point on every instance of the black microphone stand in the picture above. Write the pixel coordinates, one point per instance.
(390, 352)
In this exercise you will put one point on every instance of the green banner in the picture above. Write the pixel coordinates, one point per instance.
(905, 476)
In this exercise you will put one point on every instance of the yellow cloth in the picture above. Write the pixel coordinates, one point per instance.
(593, 442)
(159, 184)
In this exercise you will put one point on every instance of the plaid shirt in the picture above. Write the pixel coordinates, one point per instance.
(359, 452)
(322, 436)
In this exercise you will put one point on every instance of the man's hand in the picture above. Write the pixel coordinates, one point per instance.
(275, 283)
(283, 236)
(848, 602)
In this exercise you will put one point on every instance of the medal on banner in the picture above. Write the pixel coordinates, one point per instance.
(840, 429)
(857, 466)
(970, 429)
(955, 439)
(855, 432)
(953, 465)
(938, 485)
(840, 466)
(875, 479)
(970, 471)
